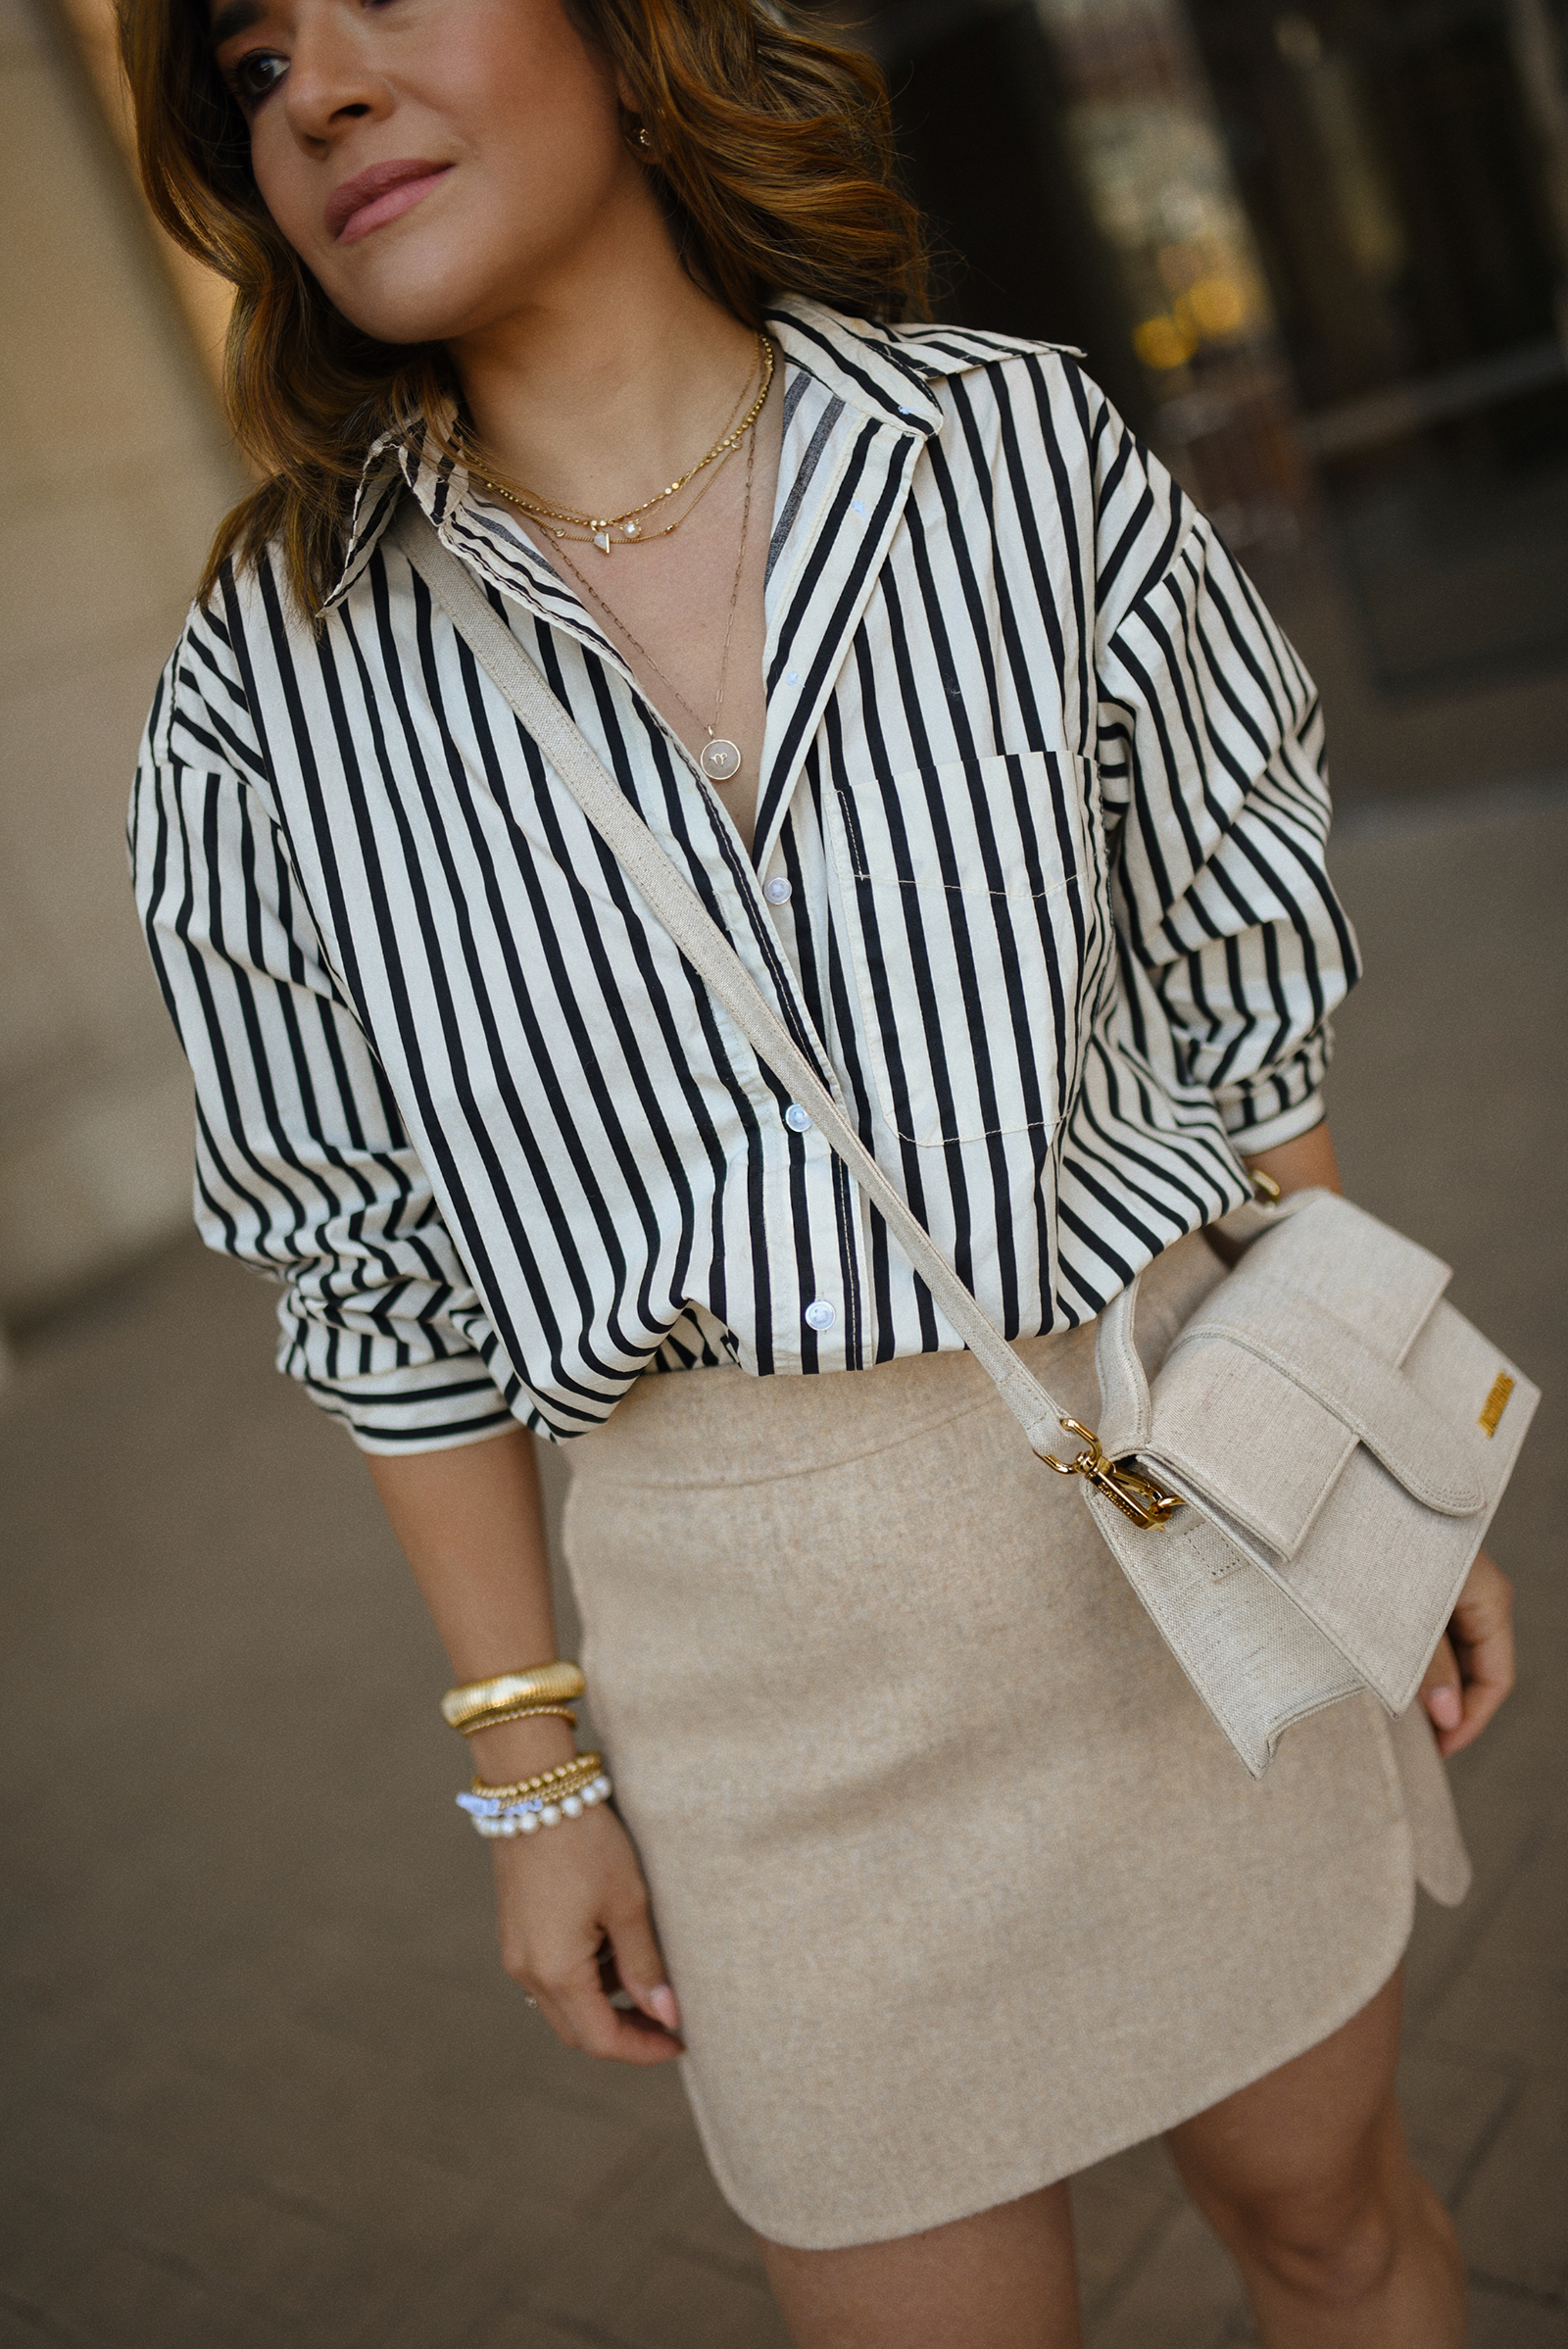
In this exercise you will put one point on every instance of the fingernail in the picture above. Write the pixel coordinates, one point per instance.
(662, 2006)
(1444, 1707)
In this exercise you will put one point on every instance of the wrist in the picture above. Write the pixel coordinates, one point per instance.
(520, 1750)
(1303, 1164)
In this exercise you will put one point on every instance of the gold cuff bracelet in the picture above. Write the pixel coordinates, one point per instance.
(542, 1684)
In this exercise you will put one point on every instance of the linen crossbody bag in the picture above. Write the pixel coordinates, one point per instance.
(1298, 1495)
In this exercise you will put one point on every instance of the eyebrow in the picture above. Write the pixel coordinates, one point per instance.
(237, 16)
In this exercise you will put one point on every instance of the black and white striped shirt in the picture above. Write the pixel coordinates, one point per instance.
(1038, 873)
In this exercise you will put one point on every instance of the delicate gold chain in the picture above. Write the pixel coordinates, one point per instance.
(729, 625)
(598, 526)
(519, 1712)
(644, 538)
(730, 438)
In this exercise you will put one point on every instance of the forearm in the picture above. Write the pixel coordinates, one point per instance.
(472, 1525)
(1304, 1164)
(473, 1529)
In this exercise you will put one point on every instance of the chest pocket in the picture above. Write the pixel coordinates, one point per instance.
(961, 893)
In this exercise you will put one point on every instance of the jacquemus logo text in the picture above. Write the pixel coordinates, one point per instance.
(1497, 1402)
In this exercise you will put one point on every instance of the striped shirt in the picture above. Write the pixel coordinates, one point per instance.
(1037, 876)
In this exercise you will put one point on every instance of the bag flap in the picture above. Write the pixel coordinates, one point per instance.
(1296, 1358)
(1415, 1439)
(1373, 1280)
(1239, 1435)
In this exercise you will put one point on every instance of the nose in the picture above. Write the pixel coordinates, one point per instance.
(331, 83)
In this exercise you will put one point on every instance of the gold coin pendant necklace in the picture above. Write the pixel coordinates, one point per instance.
(719, 758)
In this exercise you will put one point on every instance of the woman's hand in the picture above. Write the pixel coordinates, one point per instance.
(1471, 1671)
(572, 1914)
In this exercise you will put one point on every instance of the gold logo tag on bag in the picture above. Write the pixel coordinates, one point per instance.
(1497, 1402)
(1137, 1496)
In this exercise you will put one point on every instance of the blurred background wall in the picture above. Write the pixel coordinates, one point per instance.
(114, 467)
(1317, 254)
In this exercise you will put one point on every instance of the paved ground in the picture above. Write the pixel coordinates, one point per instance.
(265, 2087)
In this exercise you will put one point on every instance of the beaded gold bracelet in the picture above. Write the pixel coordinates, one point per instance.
(519, 1712)
(544, 1684)
(555, 1795)
(586, 1765)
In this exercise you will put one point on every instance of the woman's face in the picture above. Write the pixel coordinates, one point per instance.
(438, 165)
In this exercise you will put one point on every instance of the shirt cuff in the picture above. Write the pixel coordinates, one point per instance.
(1270, 1132)
(431, 1406)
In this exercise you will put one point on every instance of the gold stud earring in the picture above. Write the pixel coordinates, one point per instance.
(643, 139)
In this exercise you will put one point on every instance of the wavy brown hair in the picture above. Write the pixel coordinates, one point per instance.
(773, 161)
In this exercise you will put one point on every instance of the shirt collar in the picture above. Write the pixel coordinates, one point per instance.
(864, 365)
(886, 372)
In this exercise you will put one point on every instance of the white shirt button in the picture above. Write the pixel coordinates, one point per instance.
(778, 891)
(820, 1315)
(799, 1122)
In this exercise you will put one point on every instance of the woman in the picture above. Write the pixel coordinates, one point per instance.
(962, 723)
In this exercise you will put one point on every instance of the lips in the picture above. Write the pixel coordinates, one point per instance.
(379, 194)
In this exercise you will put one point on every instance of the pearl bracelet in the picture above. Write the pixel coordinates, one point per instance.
(523, 1810)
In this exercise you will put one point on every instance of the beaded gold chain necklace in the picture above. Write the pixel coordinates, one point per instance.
(627, 528)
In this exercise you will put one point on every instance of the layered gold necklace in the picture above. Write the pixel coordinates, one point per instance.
(606, 531)
(719, 758)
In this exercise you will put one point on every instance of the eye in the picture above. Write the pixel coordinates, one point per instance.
(251, 77)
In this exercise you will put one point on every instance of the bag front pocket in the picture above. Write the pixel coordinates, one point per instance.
(963, 913)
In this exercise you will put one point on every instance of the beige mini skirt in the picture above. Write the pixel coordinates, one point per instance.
(960, 1886)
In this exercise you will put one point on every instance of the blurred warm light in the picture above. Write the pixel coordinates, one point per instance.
(1164, 342)
(1216, 306)
(205, 298)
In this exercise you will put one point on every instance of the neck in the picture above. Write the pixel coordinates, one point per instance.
(608, 382)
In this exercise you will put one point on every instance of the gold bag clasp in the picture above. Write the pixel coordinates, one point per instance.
(1138, 1496)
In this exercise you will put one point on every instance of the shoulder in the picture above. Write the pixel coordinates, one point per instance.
(1032, 409)
(1037, 402)
(203, 771)
(209, 709)
(211, 822)
(1018, 425)
(980, 363)
(956, 350)
(877, 366)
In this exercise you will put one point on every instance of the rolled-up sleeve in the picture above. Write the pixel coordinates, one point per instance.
(1234, 949)
(303, 1168)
